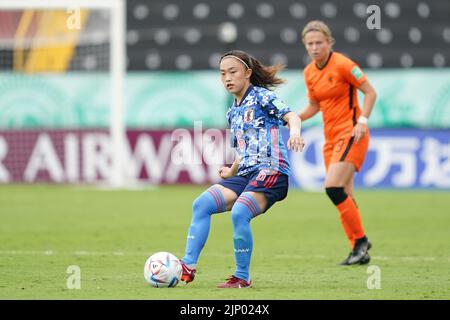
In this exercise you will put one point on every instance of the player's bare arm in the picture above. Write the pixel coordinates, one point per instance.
(370, 96)
(295, 142)
(310, 110)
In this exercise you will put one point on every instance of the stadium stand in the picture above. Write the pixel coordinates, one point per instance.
(192, 34)
(180, 35)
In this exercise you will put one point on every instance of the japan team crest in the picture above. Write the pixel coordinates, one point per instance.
(249, 115)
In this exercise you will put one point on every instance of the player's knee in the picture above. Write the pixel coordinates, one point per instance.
(336, 194)
(240, 214)
(197, 204)
(203, 204)
(237, 216)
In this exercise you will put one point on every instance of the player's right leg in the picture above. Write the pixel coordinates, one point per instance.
(348, 189)
(339, 187)
(215, 199)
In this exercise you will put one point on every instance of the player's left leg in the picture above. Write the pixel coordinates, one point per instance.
(247, 206)
(263, 190)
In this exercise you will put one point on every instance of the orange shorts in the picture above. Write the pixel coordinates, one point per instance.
(345, 149)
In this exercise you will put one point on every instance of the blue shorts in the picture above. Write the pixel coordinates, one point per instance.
(274, 185)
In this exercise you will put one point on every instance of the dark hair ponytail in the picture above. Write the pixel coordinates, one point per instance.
(262, 76)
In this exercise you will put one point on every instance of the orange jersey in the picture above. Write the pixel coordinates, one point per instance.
(334, 88)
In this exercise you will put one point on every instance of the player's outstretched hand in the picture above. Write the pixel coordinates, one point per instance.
(226, 172)
(296, 143)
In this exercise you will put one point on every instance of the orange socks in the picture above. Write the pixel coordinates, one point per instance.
(351, 220)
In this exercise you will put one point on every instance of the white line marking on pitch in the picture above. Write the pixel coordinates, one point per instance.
(137, 253)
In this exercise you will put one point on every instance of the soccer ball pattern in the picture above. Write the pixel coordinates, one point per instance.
(162, 270)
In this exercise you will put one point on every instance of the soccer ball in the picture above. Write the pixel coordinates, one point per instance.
(163, 270)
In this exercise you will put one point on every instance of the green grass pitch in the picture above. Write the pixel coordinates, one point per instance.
(297, 244)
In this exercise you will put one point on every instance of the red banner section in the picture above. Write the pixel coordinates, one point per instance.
(407, 158)
(73, 156)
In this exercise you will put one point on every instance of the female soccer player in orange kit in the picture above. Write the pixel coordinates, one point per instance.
(331, 80)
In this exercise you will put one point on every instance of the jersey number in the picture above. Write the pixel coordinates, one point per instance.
(261, 176)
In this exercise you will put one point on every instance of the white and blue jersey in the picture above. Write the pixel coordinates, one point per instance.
(254, 131)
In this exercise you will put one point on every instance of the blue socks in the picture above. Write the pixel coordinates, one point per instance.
(209, 202)
(242, 212)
